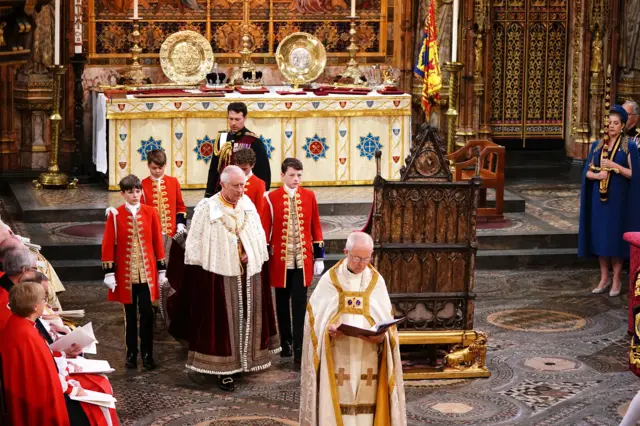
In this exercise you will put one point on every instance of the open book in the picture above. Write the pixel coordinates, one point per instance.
(97, 398)
(81, 336)
(91, 366)
(374, 330)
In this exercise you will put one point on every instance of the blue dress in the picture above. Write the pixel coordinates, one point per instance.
(603, 223)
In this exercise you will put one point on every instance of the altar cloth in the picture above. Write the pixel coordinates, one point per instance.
(335, 136)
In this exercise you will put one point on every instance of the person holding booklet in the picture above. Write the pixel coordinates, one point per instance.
(351, 380)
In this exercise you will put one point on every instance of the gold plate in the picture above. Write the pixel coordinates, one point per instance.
(301, 58)
(186, 57)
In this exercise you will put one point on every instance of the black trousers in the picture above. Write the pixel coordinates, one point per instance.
(140, 300)
(77, 416)
(295, 293)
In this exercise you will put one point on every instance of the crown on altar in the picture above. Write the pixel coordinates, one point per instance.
(252, 78)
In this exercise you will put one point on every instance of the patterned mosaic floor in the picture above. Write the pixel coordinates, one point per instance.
(557, 356)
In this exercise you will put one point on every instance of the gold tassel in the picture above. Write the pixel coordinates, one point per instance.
(224, 156)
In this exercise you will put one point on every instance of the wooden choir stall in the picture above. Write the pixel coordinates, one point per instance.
(424, 232)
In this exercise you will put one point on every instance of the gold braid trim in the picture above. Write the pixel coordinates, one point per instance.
(637, 286)
(624, 145)
(224, 156)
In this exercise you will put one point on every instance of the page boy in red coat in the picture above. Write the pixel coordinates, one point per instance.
(291, 222)
(133, 262)
(254, 188)
(162, 192)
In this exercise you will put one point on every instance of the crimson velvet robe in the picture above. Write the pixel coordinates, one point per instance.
(39, 400)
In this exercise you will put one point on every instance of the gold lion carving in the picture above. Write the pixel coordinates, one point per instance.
(472, 356)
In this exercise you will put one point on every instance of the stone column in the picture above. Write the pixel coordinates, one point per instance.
(33, 94)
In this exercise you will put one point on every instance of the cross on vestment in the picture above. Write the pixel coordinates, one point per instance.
(369, 376)
(342, 376)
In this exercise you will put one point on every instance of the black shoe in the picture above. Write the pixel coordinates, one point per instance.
(132, 361)
(297, 355)
(226, 383)
(286, 350)
(147, 362)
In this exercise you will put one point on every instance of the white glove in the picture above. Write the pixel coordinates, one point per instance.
(181, 227)
(162, 277)
(318, 267)
(110, 281)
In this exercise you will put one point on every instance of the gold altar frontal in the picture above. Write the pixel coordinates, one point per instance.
(334, 136)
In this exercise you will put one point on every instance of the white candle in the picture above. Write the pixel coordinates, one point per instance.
(353, 7)
(454, 36)
(56, 37)
(135, 9)
(77, 27)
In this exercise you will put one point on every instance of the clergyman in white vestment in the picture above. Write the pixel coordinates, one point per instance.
(349, 381)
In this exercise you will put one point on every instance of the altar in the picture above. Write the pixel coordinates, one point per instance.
(335, 136)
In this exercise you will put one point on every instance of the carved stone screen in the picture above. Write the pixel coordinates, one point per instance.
(220, 22)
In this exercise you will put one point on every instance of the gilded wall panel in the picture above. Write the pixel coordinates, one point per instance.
(271, 20)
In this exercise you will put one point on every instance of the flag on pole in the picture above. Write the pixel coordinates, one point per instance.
(428, 65)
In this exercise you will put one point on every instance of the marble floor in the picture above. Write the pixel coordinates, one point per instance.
(557, 356)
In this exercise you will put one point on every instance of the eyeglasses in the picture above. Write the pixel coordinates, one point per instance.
(359, 259)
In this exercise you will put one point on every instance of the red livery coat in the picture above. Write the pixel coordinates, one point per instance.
(117, 246)
(254, 189)
(32, 390)
(171, 196)
(275, 221)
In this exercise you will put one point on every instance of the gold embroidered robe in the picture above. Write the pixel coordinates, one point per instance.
(350, 381)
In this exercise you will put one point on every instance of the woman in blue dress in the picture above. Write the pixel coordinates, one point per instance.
(609, 201)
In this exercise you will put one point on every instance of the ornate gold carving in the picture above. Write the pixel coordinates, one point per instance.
(596, 51)
(471, 357)
(575, 68)
(186, 57)
(301, 58)
(2, 42)
(328, 33)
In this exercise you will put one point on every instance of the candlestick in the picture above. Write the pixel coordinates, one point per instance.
(77, 27)
(53, 177)
(135, 75)
(352, 69)
(452, 113)
(353, 7)
(56, 37)
(454, 37)
(246, 52)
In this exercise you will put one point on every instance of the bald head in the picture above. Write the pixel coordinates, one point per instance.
(359, 240)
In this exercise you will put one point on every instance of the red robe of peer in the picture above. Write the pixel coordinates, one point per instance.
(254, 189)
(39, 400)
(5, 313)
(275, 222)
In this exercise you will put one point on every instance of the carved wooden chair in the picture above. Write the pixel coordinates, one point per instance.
(424, 232)
(484, 159)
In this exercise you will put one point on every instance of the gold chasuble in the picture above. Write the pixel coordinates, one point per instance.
(347, 381)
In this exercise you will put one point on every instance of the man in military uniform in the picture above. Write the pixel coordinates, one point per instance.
(238, 137)
(632, 131)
